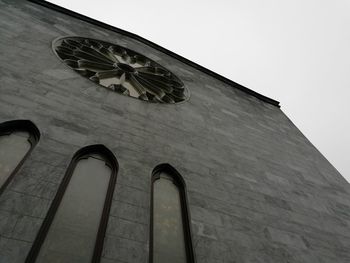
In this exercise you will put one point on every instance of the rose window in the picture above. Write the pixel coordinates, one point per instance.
(120, 69)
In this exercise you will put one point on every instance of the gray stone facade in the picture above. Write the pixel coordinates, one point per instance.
(258, 190)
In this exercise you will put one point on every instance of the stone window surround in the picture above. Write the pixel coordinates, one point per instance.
(6, 128)
(31, 128)
(112, 162)
(180, 182)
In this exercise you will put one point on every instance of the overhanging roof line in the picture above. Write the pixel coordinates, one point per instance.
(157, 47)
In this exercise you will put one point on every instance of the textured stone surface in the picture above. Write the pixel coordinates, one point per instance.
(258, 190)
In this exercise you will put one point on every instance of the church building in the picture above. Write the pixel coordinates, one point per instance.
(114, 149)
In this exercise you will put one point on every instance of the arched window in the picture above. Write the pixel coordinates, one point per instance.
(170, 226)
(75, 225)
(17, 140)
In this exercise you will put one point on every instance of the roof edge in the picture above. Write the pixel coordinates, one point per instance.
(157, 47)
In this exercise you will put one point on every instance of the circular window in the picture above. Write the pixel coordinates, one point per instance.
(120, 69)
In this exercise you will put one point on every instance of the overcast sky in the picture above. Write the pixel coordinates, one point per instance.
(297, 52)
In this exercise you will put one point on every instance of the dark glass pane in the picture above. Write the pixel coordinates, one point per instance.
(73, 232)
(168, 231)
(13, 148)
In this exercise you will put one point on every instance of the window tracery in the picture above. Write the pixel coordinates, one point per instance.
(120, 69)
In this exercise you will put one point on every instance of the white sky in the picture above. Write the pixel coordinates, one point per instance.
(297, 52)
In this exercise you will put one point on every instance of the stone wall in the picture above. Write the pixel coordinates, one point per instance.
(258, 190)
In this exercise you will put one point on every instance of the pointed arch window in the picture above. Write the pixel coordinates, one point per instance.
(17, 140)
(170, 225)
(75, 225)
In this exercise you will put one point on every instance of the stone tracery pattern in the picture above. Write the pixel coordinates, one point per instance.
(120, 69)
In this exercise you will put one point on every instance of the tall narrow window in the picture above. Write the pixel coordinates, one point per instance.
(17, 139)
(170, 226)
(75, 225)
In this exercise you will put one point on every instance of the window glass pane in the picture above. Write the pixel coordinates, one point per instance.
(73, 232)
(168, 231)
(13, 148)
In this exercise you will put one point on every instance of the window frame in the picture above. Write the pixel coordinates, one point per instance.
(83, 153)
(8, 127)
(186, 218)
